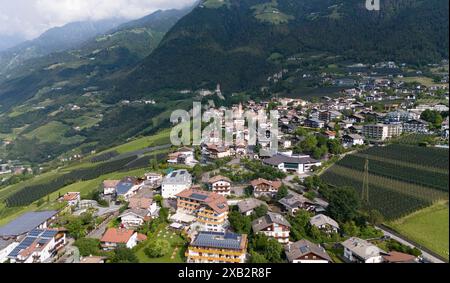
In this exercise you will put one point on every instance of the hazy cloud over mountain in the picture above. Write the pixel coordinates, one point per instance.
(29, 18)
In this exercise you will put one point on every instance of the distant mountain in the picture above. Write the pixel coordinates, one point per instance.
(55, 40)
(8, 41)
(116, 50)
(231, 41)
(36, 96)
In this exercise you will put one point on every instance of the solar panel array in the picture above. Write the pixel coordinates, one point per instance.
(41, 236)
(218, 240)
(199, 196)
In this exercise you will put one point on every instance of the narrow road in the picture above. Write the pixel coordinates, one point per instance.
(427, 255)
(98, 232)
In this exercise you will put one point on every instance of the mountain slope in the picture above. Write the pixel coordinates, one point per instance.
(54, 40)
(230, 41)
(53, 104)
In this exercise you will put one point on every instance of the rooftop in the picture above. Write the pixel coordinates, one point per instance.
(269, 219)
(249, 204)
(178, 177)
(361, 248)
(280, 158)
(117, 235)
(304, 247)
(321, 219)
(35, 239)
(216, 202)
(216, 240)
(26, 223)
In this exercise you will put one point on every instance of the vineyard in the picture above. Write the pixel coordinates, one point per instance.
(402, 179)
(29, 194)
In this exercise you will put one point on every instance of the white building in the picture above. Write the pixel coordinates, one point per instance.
(175, 183)
(361, 251)
(39, 246)
(6, 247)
(299, 164)
(116, 236)
(304, 251)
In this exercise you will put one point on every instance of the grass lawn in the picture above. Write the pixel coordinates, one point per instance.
(428, 227)
(176, 254)
(50, 132)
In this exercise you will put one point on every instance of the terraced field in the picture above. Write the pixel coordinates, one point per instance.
(402, 179)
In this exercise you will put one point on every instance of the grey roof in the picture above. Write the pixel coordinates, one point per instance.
(269, 219)
(361, 248)
(136, 211)
(294, 200)
(178, 177)
(280, 158)
(226, 240)
(304, 247)
(249, 204)
(321, 219)
(26, 223)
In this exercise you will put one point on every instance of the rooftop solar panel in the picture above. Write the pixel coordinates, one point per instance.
(199, 196)
(218, 240)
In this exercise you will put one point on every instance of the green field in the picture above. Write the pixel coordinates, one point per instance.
(428, 227)
(176, 254)
(402, 179)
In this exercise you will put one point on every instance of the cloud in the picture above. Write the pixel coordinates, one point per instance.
(32, 17)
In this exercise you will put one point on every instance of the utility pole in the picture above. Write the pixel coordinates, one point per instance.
(365, 190)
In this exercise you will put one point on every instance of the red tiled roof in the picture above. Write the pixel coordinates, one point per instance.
(397, 257)
(117, 235)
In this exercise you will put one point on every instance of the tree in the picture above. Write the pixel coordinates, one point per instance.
(343, 204)
(256, 257)
(308, 144)
(270, 248)
(335, 146)
(299, 224)
(350, 229)
(88, 246)
(75, 228)
(375, 217)
(433, 117)
(260, 211)
(122, 254)
(241, 224)
(282, 192)
(315, 233)
(157, 248)
(320, 152)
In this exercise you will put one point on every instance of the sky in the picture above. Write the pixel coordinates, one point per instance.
(30, 18)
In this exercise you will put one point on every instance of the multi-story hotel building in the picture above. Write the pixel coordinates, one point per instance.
(381, 132)
(214, 247)
(210, 209)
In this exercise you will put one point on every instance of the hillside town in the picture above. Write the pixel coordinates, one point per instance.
(239, 203)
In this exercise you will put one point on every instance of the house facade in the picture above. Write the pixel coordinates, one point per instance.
(220, 185)
(209, 209)
(263, 187)
(213, 247)
(175, 183)
(357, 250)
(304, 251)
